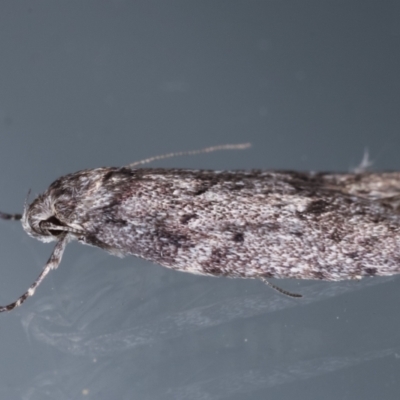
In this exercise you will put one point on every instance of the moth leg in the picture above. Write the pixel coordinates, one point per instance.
(278, 289)
(52, 263)
(15, 217)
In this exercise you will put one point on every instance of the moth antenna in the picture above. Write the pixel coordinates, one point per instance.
(239, 146)
(15, 217)
(278, 289)
(52, 263)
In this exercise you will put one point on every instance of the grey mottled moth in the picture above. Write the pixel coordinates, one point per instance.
(247, 224)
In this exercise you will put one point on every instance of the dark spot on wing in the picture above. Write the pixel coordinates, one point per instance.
(300, 215)
(117, 221)
(206, 185)
(318, 275)
(217, 255)
(336, 236)
(121, 173)
(353, 255)
(268, 275)
(125, 171)
(238, 237)
(305, 183)
(212, 270)
(168, 238)
(236, 187)
(371, 271)
(187, 217)
(200, 191)
(317, 207)
(107, 176)
(369, 242)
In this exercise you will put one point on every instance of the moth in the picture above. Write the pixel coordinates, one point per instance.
(239, 224)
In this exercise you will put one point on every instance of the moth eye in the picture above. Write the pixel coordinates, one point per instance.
(54, 221)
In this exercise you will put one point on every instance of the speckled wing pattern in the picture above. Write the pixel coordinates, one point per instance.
(249, 224)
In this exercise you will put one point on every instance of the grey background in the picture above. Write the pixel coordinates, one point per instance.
(94, 83)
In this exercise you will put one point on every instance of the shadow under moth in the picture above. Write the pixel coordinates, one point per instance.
(245, 224)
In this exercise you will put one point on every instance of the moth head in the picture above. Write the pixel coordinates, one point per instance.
(41, 221)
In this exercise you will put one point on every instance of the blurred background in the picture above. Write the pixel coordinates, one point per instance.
(310, 84)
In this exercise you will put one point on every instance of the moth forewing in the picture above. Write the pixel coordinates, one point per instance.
(247, 224)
